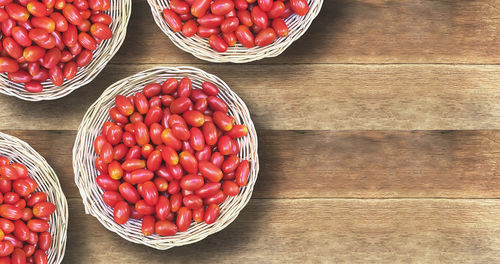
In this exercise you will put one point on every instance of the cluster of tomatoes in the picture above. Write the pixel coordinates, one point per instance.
(225, 22)
(24, 216)
(50, 39)
(170, 157)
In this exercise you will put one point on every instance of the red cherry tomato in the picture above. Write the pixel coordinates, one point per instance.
(43, 209)
(198, 214)
(259, 17)
(192, 201)
(87, 41)
(206, 32)
(121, 212)
(300, 7)
(165, 228)
(6, 248)
(242, 173)
(265, 37)
(21, 36)
(61, 24)
(101, 31)
(111, 198)
(84, 58)
(180, 7)
(8, 172)
(44, 240)
(70, 69)
(211, 213)
(184, 218)
(200, 7)
(17, 12)
(36, 198)
(8, 65)
(72, 14)
(38, 225)
(217, 43)
(162, 208)
(10, 212)
(150, 193)
(210, 171)
(173, 20)
(244, 36)
(148, 225)
(129, 193)
(230, 24)
(217, 198)
(192, 182)
(21, 231)
(221, 7)
(44, 23)
(230, 188)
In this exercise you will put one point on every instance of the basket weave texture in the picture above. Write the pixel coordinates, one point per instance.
(200, 48)
(86, 172)
(19, 151)
(120, 12)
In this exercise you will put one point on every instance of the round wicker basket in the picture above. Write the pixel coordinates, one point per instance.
(199, 47)
(120, 12)
(19, 151)
(86, 172)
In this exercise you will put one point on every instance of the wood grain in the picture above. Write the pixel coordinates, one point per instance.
(360, 31)
(317, 231)
(315, 97)
(378, 133)
(355, 164)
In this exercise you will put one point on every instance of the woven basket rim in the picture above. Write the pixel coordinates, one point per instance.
(199, 47)
(104, 53)
(31, 158)
(83, 155)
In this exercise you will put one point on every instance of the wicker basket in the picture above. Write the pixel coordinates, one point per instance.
(86, 172)
(17, 150)
(200, 48)
(120, 12)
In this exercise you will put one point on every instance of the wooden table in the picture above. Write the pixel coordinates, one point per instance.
(377, 132)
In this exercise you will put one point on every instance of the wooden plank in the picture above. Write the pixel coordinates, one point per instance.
(323, 164)
(317, 231)
(315, 97)
(362, 31)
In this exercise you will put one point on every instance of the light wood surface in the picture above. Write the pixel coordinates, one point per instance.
(347, 164)
(315, 97)
(378, 139)
(359, 31)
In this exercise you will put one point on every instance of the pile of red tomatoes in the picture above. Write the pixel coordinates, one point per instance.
(24, 216)
(170, 157)
(50, 39)
(226, 22)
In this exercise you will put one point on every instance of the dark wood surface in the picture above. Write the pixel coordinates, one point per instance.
(378, 139)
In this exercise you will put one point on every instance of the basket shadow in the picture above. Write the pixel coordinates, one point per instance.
(378, 31)
(232, 239)
(310, 46)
